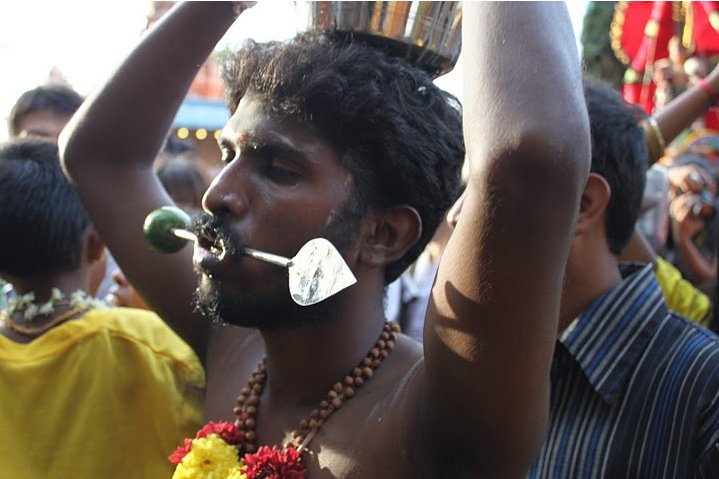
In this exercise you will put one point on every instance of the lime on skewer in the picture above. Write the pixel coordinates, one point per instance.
(159, 225)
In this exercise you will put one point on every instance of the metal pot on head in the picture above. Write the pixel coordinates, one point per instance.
(427, 34)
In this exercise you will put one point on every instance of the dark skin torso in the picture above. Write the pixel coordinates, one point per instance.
(389, 432)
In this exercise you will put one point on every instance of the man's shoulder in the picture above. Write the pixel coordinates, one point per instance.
(680, 348)
(696, 337)
(681, 323)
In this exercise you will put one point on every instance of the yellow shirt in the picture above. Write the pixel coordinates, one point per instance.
(680, 295)
(109, 395)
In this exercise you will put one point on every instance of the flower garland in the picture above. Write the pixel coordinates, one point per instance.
(79, 303)
(25, 304)
(222, 450)
(212, 454)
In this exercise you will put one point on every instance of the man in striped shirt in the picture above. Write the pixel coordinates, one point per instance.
(635, 387)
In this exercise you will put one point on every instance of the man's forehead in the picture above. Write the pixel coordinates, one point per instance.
(253, 122)
(257, 134)
(250, 119)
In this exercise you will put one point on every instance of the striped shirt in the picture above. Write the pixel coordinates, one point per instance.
(635, 391)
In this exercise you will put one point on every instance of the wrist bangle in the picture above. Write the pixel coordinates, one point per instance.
(654, 138)
(708, 89)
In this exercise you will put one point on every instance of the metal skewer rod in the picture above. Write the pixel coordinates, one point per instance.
(261, 255)
(268, 257)
(184, 234)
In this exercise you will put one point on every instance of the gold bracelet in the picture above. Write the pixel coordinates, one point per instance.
(654, 138)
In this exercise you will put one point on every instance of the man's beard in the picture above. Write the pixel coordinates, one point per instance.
(275, 309)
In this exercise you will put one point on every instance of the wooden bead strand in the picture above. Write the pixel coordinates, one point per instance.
(249, 397)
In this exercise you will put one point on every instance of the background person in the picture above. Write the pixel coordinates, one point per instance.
(43, 111)
(87, 392)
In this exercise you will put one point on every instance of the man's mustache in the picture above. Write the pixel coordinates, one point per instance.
(218, 230)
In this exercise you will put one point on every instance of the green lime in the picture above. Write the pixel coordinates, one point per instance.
(158, 229)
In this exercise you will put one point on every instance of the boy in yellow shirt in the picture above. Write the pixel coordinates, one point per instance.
(86, 391)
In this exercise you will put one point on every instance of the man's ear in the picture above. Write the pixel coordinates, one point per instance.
(455, 210)
(94, 246)
(388, 234)
(593, 206)
(95, 258)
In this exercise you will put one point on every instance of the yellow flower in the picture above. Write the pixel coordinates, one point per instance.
(209, 458)
(238, 474)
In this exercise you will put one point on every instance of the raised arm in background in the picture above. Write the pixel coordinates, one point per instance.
(684, 109)
(492, 321)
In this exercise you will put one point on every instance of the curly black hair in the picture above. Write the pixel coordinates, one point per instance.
(398, 133)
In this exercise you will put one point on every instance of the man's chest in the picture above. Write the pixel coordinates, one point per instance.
(369, 436)
(376, 433)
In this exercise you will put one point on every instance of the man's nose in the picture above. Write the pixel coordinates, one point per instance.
(226, 194)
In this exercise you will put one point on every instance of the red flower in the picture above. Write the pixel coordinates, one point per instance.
(181, 452)
(274, 463)
(224, 429)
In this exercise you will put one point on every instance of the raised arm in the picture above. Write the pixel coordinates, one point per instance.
(679, 113)
(492, 321)
(109, 147)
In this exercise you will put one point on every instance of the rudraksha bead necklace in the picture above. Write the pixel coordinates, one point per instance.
(249, 399)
